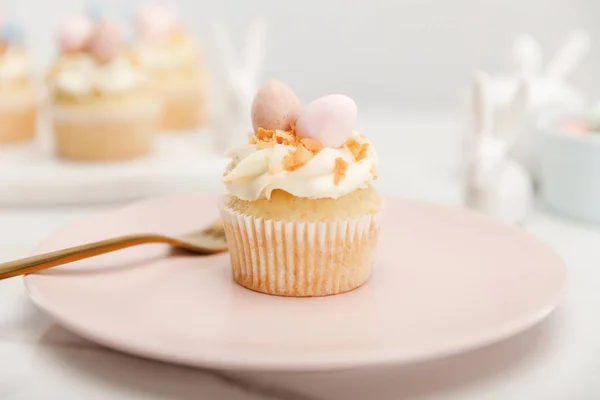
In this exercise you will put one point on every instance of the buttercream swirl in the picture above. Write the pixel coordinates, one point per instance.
(15, 63)
(254, 173)
(85, 75)
(167, 55)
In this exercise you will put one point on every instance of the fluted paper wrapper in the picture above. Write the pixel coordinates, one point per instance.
(300, 258)
(91, 114)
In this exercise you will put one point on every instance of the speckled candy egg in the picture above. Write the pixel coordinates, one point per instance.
(155, 23)
(275, 106)
(107, 40)
(329, 119)
(75, 33)
(12, 32)
(97, 11)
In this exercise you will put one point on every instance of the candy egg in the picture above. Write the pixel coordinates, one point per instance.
(75, 33)
(107, 40)
(275, 106)
(329, 120)
(12, 32)
(97, 11)
(127, 27)
(155, 23)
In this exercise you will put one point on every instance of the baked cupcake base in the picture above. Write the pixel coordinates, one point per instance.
(183, 111)
(105, 135)
(18, 122)
(298, 258)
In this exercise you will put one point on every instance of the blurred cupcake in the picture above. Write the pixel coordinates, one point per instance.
(174, 59)
(105, 107)
(19, 93)
(301, 216)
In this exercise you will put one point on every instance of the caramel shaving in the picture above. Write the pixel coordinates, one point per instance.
(263, 134)
(341, 166)
(353, 145)
(285, 138)
(312, 145)
(297, 159)
(374, 172)
(362, 153)
(358, 150)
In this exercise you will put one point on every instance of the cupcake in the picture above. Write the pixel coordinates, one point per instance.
(301, 214)
(173, 58)
(104, 106)
(19, 94)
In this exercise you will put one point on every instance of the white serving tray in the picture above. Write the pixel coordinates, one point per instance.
(30, 174)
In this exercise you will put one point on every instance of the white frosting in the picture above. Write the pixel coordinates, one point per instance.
(84, 75)
(15, 63)
(249, 176)
(166, 55)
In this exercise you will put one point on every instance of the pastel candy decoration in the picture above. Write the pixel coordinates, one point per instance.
(75, 33)
(97, 11)
(107, 40)
(155, 23)
(329, 119)
(275, 106)
(12, 32)
(127, 26)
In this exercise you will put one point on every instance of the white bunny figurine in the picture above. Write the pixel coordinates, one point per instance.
(237, 83)
(495, 183)
(548, 90)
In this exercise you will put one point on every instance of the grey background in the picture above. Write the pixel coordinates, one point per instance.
(394, 54)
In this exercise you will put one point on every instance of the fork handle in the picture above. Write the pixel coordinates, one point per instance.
(44, 261)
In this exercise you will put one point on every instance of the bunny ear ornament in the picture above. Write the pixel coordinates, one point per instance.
(237, 82)
(495, 183)
(546, 92)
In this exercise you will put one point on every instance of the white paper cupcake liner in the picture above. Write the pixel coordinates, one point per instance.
(183, 92)
(300, 258)
(99, 114)
(18, 102)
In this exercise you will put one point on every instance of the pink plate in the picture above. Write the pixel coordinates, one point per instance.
(445, 281)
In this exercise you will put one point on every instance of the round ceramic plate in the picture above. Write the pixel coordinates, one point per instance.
(445, 281)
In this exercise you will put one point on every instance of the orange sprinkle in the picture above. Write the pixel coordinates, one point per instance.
(312, 145)
(374, 172)
(354, 147)
(263, 134)
(297, 158)
(362, 153)
(341, 166)
(285, 137)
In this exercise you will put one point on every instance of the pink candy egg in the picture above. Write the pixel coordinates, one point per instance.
(155, 23)
(275, 106)
(329, 119)
(75, 33)
(107, 41)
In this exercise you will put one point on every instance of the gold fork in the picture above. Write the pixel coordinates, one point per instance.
(210, 240)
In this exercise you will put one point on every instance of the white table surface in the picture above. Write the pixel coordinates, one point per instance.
(559, 359)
